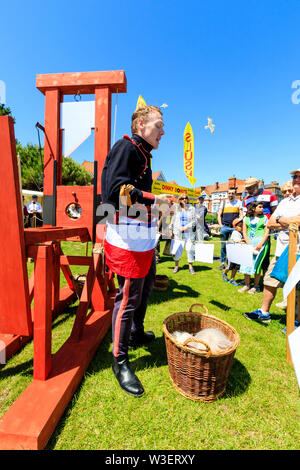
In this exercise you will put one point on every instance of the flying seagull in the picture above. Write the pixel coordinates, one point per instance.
(210, 125)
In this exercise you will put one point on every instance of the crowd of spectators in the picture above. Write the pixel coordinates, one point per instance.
(253, 221)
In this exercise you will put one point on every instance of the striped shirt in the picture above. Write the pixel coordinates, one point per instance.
(268, 199)
(230, 211)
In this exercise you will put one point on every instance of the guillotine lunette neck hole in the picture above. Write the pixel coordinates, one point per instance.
(73, 211)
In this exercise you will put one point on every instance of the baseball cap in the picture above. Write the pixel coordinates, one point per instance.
(295, 171)
(237, 221)
(250, 182)
(34, 196)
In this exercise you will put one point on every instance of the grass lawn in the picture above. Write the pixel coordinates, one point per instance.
(260, 409)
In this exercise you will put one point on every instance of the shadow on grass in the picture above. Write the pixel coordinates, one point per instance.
(238, 381)
(281, 318)
(219, 305)
(185, 267)
(156, 358)
(174, 291)
(26, 368)
(237, 384)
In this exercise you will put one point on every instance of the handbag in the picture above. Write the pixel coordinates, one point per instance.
(280, 270)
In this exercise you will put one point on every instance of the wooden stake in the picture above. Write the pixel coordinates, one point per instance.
(290, 313)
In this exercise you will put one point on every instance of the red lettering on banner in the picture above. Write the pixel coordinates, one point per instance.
(186, 155)
(188, 137)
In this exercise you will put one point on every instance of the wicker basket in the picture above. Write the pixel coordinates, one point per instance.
(161, 282)
(196, 374)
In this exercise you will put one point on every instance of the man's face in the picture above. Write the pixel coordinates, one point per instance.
(296, 183)
(231, 195)
(287, 191)
(252, 189)
(153, 129)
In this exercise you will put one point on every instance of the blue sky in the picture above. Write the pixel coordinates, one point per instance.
(232, 60)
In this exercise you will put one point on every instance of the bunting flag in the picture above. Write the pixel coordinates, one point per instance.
(188, 153)
(140, 103)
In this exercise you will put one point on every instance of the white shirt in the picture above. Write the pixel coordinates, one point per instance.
(236, 236)
(34, 207)
(288, 207)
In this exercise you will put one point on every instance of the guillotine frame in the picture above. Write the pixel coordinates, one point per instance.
(30, 421)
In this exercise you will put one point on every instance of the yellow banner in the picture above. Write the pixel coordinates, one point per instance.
(140, 103)
(159, 187)
(188, 153)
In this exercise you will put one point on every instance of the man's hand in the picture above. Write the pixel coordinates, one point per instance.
(163, 199)
(125, 194)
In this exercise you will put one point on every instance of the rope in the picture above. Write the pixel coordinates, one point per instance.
(242, 241)
(115, 121)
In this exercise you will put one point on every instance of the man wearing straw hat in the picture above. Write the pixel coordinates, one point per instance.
(287, 212)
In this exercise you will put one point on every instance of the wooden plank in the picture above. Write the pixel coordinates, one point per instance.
(42, 313)
(290, 312)
(81, 195)
(84, 82)
(30, 421)
(55, 274)
(102, 129)
(15, 315)
(52, 138)
(67, 260)
(42, 235)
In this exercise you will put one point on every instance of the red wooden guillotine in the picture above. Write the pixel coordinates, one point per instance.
(30, 421)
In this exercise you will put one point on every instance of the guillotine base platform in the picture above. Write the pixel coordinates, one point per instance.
(22, 428)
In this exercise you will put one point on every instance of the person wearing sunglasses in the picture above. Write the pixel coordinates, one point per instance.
(183, 227)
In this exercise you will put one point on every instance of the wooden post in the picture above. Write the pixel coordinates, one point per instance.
(56, 276)
(42, 313)
(102, 128)
(290, 313)
(52, 138)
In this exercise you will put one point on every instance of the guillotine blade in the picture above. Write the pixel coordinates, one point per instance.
(77, 120)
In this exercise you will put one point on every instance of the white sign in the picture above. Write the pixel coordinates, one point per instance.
(204, 252)
(2, 352)
(177, 247)
(294, 344)
(292, 280)
(239, 253)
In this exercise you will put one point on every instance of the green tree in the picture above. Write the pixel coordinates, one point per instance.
(32, 161)
(74, 174)
(5, 111)
(31, 166)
